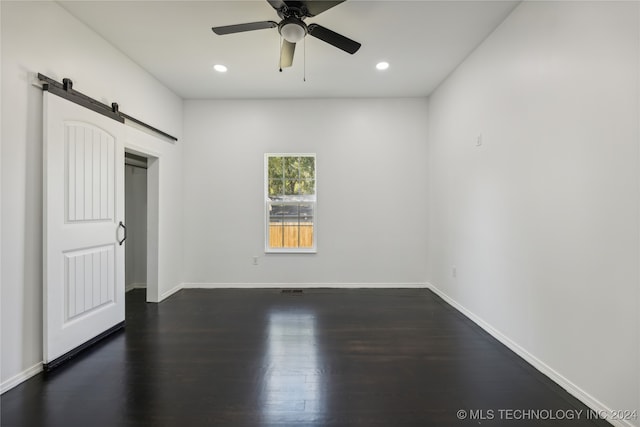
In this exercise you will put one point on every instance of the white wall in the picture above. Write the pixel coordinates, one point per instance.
(541, 220)
(1, 204)
(43, 37)
(135, 213)
(371, 172)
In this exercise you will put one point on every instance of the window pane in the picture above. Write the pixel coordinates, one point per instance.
(276, 223)
(290, 239)
(276, 188)
(277, 212)
(305, 211)
(275, 235)
(305, 226)
(306, 235)
(307, 168)
(291, 187)
(276, 167)
(307, 187)
(291, 167)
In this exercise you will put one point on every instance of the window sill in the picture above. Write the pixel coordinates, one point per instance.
(291, 251)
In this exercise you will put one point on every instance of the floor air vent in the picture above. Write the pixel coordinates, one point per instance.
(292, 291)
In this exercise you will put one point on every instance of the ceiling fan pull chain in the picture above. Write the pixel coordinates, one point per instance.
(280, 60)
(304, 59)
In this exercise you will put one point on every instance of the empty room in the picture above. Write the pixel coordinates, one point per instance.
(320, 213)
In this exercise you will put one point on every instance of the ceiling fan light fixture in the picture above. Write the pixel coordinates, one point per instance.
(293, 32)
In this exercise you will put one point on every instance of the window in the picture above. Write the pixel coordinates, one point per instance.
(290, 202)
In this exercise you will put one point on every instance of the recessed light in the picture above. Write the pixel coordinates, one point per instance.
(220, 68)
(382, 65)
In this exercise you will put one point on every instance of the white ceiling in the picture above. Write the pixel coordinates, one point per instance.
(422, 40)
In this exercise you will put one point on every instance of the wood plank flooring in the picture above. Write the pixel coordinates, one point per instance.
(326, 357)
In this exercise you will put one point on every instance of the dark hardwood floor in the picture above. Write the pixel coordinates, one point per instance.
(327, 357)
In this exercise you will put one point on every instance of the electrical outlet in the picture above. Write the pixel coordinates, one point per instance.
(479, 140)
(255, 260)
(454, 271)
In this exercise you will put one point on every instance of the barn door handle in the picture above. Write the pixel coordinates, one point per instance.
(120, 242)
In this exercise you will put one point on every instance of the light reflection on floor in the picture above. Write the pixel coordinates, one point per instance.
(293, 389)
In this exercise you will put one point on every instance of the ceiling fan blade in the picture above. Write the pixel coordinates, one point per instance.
(333, 38)
(316, 7)
(277, 4)
(239, 28)
(286, 54)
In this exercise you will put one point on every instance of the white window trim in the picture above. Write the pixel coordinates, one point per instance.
(267, 249)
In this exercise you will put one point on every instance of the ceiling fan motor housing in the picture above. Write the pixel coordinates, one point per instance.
(292, 29)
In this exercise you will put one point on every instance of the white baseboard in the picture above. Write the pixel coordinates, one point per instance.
(20, 378)
(547, 370)
(132, 286)
(171, 291)
(300, 285)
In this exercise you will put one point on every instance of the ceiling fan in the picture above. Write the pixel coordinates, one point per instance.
(293, 29)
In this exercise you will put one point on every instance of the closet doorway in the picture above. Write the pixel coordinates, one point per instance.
(135, 213)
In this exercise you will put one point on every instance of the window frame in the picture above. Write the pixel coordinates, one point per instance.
(268, 202)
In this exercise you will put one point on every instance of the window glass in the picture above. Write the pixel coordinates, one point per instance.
(290, 202)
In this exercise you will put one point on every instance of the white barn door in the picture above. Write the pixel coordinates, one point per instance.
(83, 209)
